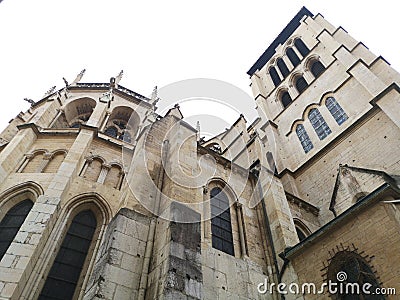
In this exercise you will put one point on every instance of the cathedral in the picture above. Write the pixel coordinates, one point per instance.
(101, 197)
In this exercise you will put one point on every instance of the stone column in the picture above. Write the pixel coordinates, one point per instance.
(243, 249)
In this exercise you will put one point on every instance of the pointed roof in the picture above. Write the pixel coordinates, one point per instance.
(391, 179)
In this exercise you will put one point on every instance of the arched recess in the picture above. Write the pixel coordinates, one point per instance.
(302, 230)
(56, 158)
(114, 176)
(75, 113)
(92, 168)
(122, 123)
(15, 204)
(69, 261)
(34, 161)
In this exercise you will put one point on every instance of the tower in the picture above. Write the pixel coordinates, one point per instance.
(332, 108)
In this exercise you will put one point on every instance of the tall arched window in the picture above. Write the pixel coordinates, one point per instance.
(304, 138)
(317, 68)
(294, 59)
(286, 99)
(11, 224)
(336, 110)
(301, 84)
(317, 121)
(221, 227)
(282, 67)
(355, 271)
(303, 49)
(66, 270)
(274, 76)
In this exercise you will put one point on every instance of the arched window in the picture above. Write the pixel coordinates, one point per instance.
(221, 227)
(304, 138)
(355, 271)
(274, 76)
(303, 49)
(66, 270)
(317, 121)
(301, 84)
(294, 59)
(11, 224)
(286, 99)
(111, 131)
(271, 163)
(282, 67)
(317, 68)
(336, 110)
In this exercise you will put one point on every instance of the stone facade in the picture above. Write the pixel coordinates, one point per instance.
(313, 178)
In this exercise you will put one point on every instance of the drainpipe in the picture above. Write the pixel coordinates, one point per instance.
(269, 235)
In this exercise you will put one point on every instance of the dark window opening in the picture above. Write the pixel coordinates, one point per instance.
(317, 68)
(304, 138)
(282, 67)
(303, 49)
(11, 224)
(301, 84)
(65, 272)
(336, 110)
(221, 227)
(294, 59)
(286, 99)
(111, 131)
(318, 122)
(274, 76)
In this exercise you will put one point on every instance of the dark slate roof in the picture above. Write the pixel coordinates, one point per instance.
(280, 39)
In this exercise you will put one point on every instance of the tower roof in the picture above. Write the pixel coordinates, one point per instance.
(280, 39)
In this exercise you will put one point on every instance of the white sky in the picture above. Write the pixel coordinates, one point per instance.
(160, 42)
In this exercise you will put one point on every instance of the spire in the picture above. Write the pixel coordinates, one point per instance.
(78, 77)
(154, 97)
(198, 130)
(119, 77)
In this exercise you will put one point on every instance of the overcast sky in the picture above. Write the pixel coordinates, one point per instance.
(160, 42)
